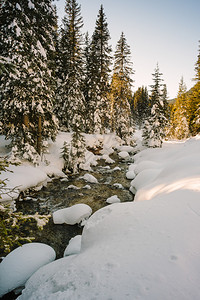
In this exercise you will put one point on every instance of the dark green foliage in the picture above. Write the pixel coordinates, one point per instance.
(99, 68)
(140, 105)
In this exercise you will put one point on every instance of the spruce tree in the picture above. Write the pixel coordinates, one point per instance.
(70, 98)
(194, 103)
(140, 105)
(27, 94)
(100, 61)
(154, 126)
(89, 102)
(121, 92)
(179, 127)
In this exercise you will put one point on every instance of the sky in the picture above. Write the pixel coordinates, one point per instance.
(158, 31)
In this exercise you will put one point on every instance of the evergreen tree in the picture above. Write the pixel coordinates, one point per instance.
(121, 92)
(27, 94)
(154, 126)
(74, 153)
(70, 107)
(100, 61)
(89, 104)
(179, 127)
(194, 103)
(140, 105)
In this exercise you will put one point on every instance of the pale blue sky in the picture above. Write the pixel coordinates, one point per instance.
(163, 31)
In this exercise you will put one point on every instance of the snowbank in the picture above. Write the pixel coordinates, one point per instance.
(142, 250)
(161, 171)
(21, 263)
(72, 215)
(74, 246)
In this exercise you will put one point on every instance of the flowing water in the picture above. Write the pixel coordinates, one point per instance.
(64, 193)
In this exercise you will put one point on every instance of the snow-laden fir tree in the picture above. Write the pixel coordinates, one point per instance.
(121, 93)
(73, 153)
(89, 104)
(27, 95)
(70, 99)
(100, 61)
(154, 126)
(194, 102)
(179, 127)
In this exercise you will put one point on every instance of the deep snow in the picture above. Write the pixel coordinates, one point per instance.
(141, 249)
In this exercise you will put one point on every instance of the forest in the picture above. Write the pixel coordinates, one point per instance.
(61, 79)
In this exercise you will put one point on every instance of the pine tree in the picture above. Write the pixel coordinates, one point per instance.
(27, 94)
(154, 126)
(194, 103)
(140, 105)
(89, 102)
(121, 92)
(70, 107)
(100, 61)
(74, 153)
(179, 127)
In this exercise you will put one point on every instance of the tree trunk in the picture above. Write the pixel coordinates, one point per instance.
(39, 135)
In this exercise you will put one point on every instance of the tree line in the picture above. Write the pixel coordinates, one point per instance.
(59, 78)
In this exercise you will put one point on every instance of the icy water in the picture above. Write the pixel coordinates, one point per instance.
(61, 193)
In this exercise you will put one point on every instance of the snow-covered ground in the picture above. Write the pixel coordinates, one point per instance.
(141, 249)
(25, 175)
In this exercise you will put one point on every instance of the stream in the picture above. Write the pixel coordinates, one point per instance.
(61, 193)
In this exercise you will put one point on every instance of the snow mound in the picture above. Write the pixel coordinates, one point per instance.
(90, 178)
(113, 199)
(72, 215)
(118, 185)
(130, 175)
(74, 246)
(123, 154)
(21, 263)
(142, 250)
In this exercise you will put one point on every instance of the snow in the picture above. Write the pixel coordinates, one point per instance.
(26, 175)
(134, 250)
(21, 177)
(130, 174)
(74, 246)
(89, 178)
(21, 263)
(113, 199)
(123, 154)
(140, 250)
(72, 215)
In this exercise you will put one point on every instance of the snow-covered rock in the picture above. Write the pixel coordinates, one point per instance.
(130, 175)
(74, 246)
(21, 263)
(90, 178)
(72, 215)
(113, 199)
(123, 154)
(118, 185)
